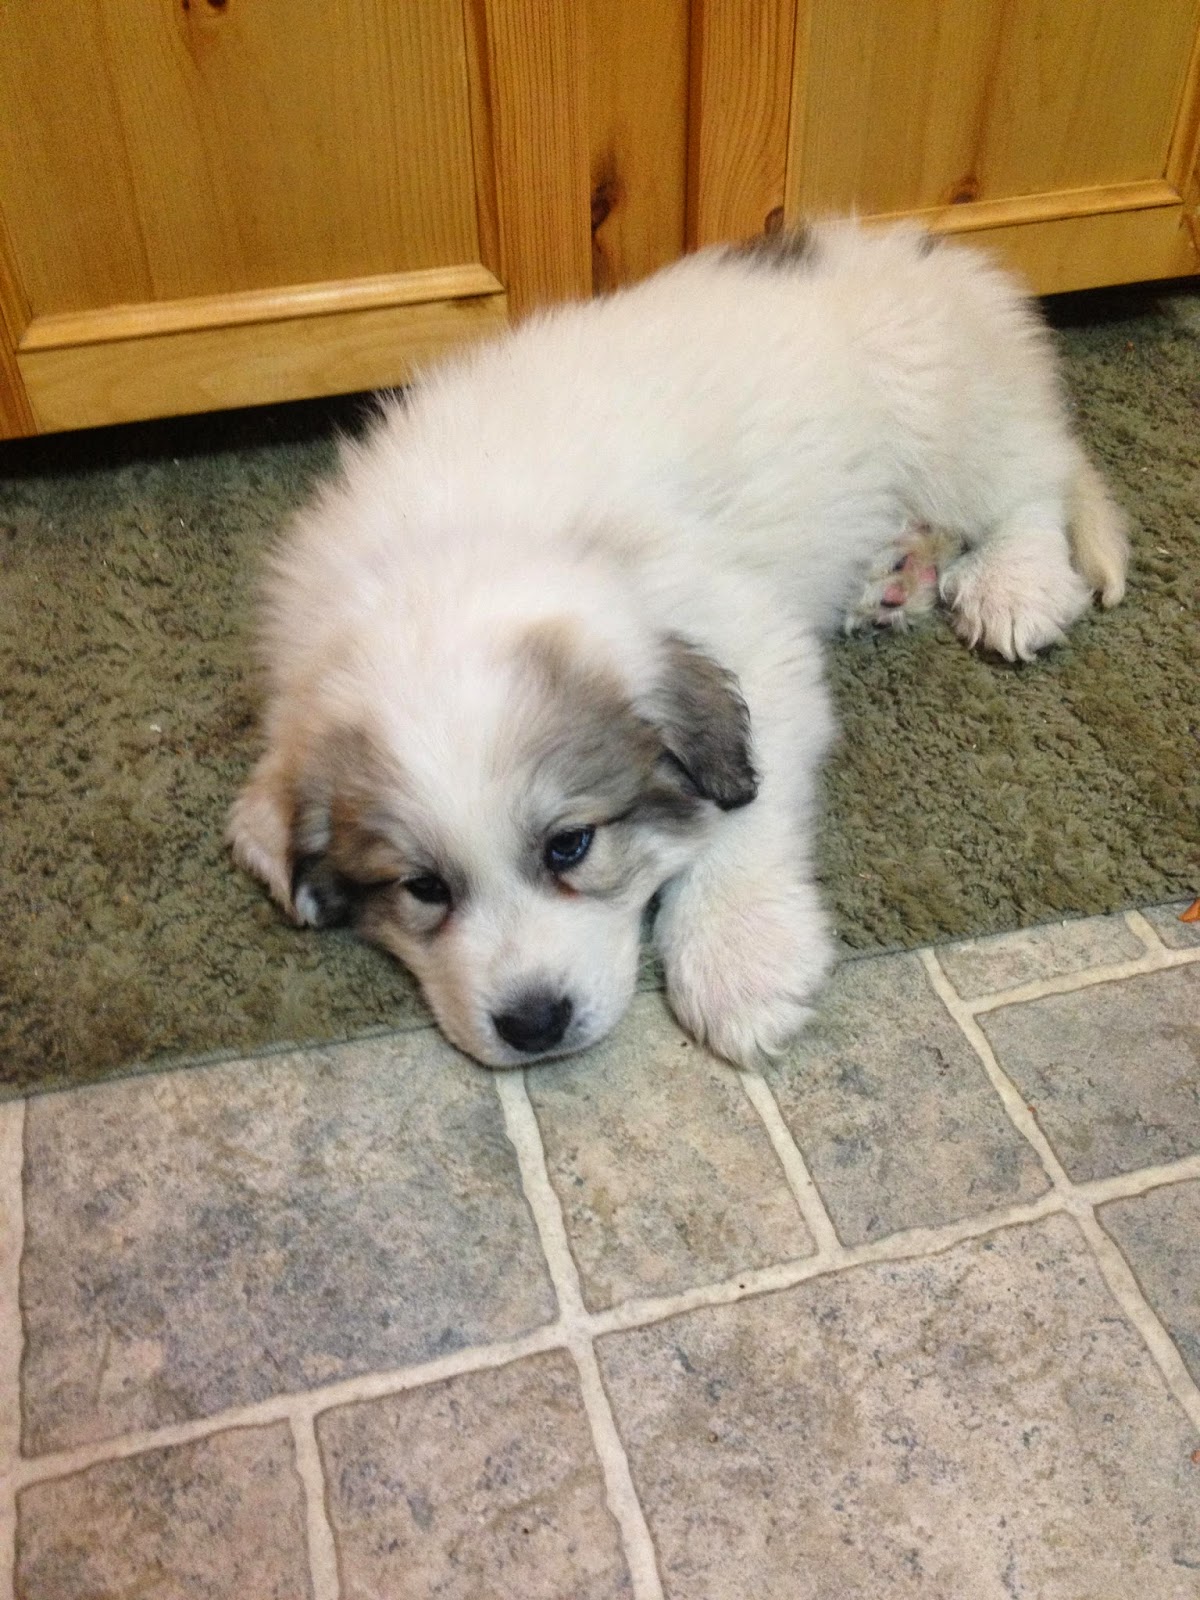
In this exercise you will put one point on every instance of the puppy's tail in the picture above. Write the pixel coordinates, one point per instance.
(1099, 543)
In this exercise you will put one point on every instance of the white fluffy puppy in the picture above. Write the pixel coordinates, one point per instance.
(549, 644)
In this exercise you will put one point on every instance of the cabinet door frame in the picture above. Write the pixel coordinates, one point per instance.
(527, 77)
(1060, 240)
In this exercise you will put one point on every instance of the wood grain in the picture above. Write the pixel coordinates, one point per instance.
(16, 418)
(209, 369)
(1143, 196)
(741, 87)
(172, 150)
(257, 305)
(1089, 252)
(1183, 160)
(937, 102)
(637, 122)
(534, 60)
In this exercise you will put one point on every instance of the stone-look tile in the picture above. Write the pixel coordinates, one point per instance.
(205, 1238)
(987, 966)
(221, 1517)
(1159, 1235)
(893, 1111)
(1174, 934)
(665, 1173)
(979, 1423)
(483, 1487)
(1110, 1071)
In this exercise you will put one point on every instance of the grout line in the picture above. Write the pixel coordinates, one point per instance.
(1014, 1103)
(289, 1407)
(576, 1332)
(795, 1170)
(1124, 1185)
(907, 1246)
(1145, 931)
(12, 1231)
(629, 1314)
(521, 1125)
(621, 1491)
(1159, 960)
(1078, 1200)
(1128, 1294)
(322, 1551)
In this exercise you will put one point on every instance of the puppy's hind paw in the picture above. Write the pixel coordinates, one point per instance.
(1012, 604)
(903, 584)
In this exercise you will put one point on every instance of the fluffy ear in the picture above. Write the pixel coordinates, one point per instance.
(705, 725)
(280, 828)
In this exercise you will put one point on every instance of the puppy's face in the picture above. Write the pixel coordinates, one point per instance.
(501, 827)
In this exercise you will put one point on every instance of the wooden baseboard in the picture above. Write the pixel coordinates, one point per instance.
(1090, 252)
(127, 379)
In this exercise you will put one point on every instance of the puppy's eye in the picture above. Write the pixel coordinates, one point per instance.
(429, 889)
(566, 850)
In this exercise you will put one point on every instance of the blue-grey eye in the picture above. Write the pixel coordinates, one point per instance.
(566, 850)
(429, 889)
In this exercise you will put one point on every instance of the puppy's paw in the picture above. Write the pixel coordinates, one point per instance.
(1012, 600)
(903, 584)
(742, 982)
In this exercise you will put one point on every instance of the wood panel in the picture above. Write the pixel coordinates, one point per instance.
(209, 369)
(1088, 252)
(168, 149)
(637, 118)
(531, 64)
(936, 102)
(741, 82)
(16, 419)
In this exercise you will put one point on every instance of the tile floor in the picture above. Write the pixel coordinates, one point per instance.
(914, 1313)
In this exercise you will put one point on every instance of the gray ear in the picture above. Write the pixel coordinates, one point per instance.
(705, 725)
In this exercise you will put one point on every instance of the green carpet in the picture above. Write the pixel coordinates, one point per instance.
(965, 797)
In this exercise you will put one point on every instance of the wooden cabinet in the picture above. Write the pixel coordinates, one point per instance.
(207, 203)
(216, 202)
(1063, 133)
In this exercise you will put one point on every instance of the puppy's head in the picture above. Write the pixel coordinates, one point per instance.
(499, 818)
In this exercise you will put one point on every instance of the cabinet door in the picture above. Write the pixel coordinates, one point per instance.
(1064, 134)
(211, 203)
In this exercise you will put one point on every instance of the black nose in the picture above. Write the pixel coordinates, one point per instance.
(537, 1022)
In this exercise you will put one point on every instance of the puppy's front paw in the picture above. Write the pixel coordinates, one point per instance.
(1012, 602)
(742, 981)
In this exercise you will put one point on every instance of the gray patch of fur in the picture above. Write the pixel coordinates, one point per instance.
(787, 250)
(590, 753)
(706, 726)
(582, 737)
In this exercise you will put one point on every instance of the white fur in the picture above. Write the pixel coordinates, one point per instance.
(724, 452)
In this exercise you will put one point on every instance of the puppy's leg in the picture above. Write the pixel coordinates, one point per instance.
(742, 933)
(1017, 592)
